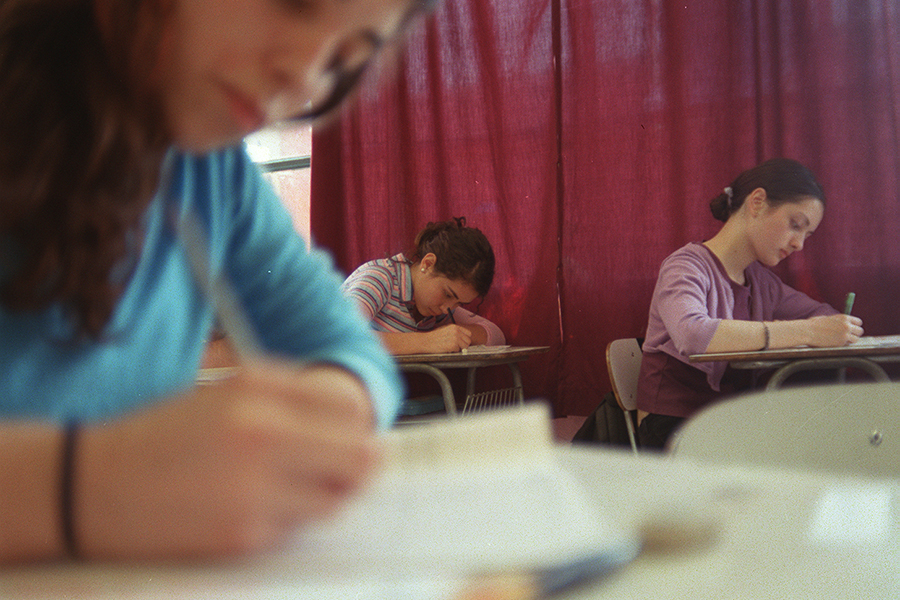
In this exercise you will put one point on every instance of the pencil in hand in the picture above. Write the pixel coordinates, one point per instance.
(218, 290)
(848, 304)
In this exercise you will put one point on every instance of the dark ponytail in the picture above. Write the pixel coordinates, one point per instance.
(783, 179)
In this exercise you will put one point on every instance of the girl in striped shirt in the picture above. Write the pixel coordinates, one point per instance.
(413, 299)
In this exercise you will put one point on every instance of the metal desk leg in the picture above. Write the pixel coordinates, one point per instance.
(517, 382)
(470, 381)
(446, 388)
(814, 364)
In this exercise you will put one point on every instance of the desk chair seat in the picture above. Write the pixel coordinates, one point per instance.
(623, 361)
(846, 429)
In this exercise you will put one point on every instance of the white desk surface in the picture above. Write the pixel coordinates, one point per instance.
(482, 356)
(884, 348)
(746, 533)
(769, 533)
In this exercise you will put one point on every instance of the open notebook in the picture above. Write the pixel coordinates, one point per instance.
(482, 349)
(877, 341)
(470, 496)
(463, 505)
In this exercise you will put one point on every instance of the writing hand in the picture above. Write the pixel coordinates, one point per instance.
(834, 330)
(449, 338)
(225, 469)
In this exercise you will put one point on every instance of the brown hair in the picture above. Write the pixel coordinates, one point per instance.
(462, 252)
(82, 142)
(785, 180)
(80, 152)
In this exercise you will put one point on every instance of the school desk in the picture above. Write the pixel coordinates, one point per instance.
(712, 532)
(865, 355)
(471, 360)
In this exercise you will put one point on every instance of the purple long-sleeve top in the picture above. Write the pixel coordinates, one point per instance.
(693, 295)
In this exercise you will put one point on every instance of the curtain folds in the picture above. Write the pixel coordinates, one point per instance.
(586, 138)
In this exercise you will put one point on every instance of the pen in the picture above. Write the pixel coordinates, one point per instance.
(218, 290)
(848, 305)
(453, 320)
(546, 582)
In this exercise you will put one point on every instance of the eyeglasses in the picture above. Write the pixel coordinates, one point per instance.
(345, 78)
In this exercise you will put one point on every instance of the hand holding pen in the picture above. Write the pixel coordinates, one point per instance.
(449, 338)
(456, 337)
(854, 324)
(835, 330)
(848, 303)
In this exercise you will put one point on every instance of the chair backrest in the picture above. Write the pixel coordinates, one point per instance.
(839, 428)
(623, 361)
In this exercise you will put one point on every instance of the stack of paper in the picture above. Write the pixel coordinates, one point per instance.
(472, 495)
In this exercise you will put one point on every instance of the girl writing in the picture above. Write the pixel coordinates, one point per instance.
(413, 300)
(121, 118)
(719, 296)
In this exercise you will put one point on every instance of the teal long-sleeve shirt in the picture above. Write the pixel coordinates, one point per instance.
(153, 346)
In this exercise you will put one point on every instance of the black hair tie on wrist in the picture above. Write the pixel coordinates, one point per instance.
(67, 488)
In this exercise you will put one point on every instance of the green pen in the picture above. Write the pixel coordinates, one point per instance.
(848, 305)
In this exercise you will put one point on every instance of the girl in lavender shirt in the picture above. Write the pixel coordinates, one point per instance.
(718, 296)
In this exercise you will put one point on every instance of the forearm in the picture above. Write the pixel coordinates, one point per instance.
(790, 334)
(483, 331)
(29, 502)
(479, 334)
(738, 336)
(449, 338)
(398, 343)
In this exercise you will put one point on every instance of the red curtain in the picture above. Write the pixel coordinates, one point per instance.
(586, 138)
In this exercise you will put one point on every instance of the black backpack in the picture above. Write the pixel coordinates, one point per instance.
(605, 425)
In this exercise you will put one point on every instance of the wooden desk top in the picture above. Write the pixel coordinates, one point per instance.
(486, 355)
(871, 347)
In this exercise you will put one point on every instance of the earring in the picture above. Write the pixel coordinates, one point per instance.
(423, 269)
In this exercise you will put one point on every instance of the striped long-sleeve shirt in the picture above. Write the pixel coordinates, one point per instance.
(383, 290)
